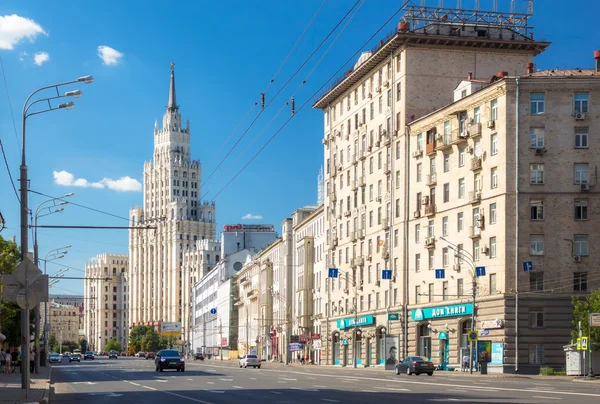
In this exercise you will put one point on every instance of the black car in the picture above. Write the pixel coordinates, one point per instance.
(199, 355)
(88, 355)
(169, 359)
(75, 357)
(415, 364)
(113, 354)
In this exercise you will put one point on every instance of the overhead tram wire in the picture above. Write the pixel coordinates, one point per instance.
(282, 88)
(311, 97)
(295, 93)
(12, 182)
(12, 115)
(79, 205)
(268, 85)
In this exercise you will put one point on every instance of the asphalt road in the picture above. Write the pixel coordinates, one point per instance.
(133, 380)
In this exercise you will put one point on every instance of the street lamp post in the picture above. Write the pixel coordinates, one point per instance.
(25, 208)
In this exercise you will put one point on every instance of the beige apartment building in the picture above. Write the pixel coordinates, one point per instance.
(526, 136)
(410, 74)
(106, 300)
(64, 321)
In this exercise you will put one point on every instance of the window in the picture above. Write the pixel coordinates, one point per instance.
(445, 290)
(477, 115)
(461, 156)
(582, 105)
(446, 192)
(581, 173)
(461, 188)
(581, 209)
(460, 287)
(398, 91)
(493, 213)
(536, 242)
(580, 245)
(417, 262)
(381, 104)
(431, 229)
(389, 98)
(418, 294)
(536, 138)
(580, 282)
(537, 101)
(419, 172)
(396, 238)
(431, 263)
(536, 207)
(494, 175)
(581, 137)
(445, 257)
(492, 283)
(430, 294)
(493, 251)
(536, 281)
(536, 354)
(398, 207)
(494, 142)
(417, 233)
(371, 192)
(494, 110)
(372, 111)
(536, 173)
(536, 318)
(446, 162)
(476, 252)
(459, 221)
(445, 226)
(420, 141)
(398, 179)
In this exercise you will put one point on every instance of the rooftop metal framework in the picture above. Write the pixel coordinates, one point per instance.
(422, 16)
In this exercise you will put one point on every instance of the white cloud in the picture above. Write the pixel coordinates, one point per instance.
(250, 216)
(14, 28)
(40, 58)
(22, 56)
(109, 55)
(123, 184)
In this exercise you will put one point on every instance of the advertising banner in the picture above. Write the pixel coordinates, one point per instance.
(391, 351)
(497, 353)
(484, 351)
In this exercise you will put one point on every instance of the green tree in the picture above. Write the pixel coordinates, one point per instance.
(84, 345)
(581, 312)
(136, 335)
(150, 341)
(10, 313)
(69, 346)
(113, 345)
(53, 343)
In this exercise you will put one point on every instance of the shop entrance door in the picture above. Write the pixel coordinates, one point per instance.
(369, 352)
(444, 353)
(345, 355)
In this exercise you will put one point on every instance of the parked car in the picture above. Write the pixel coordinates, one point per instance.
(113, 354)
(75, 357)
(88, 355)
(169, 359)
(54, 358)
(150, 355)
(415, 364)
(199, 355)
(141, 354)
(250, 360)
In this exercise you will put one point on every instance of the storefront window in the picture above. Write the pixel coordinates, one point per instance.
(425, 341)
(465, 328)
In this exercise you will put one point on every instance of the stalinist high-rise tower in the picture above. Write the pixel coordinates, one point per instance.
(160, 287)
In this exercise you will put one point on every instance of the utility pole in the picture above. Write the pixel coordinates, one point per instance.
(247, 322)
(473, 322)
(221, 338)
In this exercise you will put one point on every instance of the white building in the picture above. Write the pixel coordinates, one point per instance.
(171, 221)
(105, 299)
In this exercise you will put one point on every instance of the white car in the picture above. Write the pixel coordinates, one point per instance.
(250, 360)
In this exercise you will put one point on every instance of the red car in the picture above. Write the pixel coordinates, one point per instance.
(150, 355)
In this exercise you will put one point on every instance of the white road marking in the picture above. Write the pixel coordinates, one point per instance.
(161, 380)
(547, 398)
(210, 382)
(215, 391)
(190, 379)
(252, 378)
(237, 387)
(284, 378)
(303, 389)
(149, 388)
(368, 391)
(226, 380)
(391, 388)
(329, 400)
(281, 381)
(320, 386)
(276, 392)
(135, 384)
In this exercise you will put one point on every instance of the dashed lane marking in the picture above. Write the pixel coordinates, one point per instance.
(237, 387)
(149, 388)
(303, 389)
(320, 386)
(276, 392)
(226, 380)
(330, 400)
(547, 398)
(391, 389)
(210, 382)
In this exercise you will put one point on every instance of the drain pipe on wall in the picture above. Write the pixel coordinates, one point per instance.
(517, 90)
(406, 216)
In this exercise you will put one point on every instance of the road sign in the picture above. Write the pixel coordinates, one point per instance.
(393, 316)
(170, 329)
(21, 299)
(333, 273)
(579, 344)
(440, 274)
(26, 270)
(386, 274)
(40, 287)
(584, 343)
(10, 286)
(472, 335)
(295, 347)
(213, 311)
(594, 319)
(315, 336)
(480, 271)
(527, 266)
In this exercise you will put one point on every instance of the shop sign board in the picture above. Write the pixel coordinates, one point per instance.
(497, 353)
(442, 311)
(351, 322)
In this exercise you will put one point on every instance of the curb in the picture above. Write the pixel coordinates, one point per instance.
(46, 397)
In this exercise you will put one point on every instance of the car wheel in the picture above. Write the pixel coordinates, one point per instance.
(397, 370)
(240, 366)
(183, 369)
(430, 374)
(259, 366)
(155, 368)
(160, 369)
(417, 374)
(408, 372)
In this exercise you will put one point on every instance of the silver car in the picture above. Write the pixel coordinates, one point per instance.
(54, 358)
(250, 360)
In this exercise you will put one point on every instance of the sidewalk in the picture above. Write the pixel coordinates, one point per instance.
(39, 391)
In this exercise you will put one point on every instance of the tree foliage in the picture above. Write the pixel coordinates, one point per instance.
(113, 345)
(84, 345)
(10, 313)
(581, 312)
(136, 335)
(150, 341)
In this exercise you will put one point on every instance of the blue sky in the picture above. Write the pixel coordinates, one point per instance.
(225, 53)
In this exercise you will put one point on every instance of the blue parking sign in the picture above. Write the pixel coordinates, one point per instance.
(386, 274)
(333, 273)
(440, 274)
(480, 271)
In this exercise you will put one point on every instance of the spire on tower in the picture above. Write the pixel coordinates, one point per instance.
(172, 106)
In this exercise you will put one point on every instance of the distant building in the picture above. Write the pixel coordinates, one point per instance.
(64, 321)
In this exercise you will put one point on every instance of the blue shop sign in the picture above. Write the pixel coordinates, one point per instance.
(442, 311)
(351, 322)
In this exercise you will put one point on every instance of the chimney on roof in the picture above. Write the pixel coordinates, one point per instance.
(530, 67)
(597, 57)
(502, 74)
(470, 76)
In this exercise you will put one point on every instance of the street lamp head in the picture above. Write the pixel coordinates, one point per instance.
(67, 105)
(86, 79)
(59, 210)
(74, 93)
(64, 203)
(69, 194)
(67, 246)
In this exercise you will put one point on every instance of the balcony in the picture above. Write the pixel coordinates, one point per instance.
(431, 180)
(430, 210)
(474, 232)
(443, 142)
(476, 163)
(458, 137)
(354, 236)
(333, 196)
(474, 197)
(386, 168)
(334, 242)
(363, 154)
(354, 185)
(387, 139)
(354, 159)
(353, 263)
(362, 233)
(245, 280)
(333, 171)
(430, 242)
(362, 181)
(360, 261)
(325, 140)
(385, 224)
(253, 294)
(430, 148)
(475, 130)
(385, 254)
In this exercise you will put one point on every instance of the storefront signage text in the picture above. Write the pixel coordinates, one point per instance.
(351, 322)
(442, 311)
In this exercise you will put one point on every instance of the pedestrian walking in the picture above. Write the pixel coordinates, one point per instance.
(6, 360)
(465, 363)
(32, 361)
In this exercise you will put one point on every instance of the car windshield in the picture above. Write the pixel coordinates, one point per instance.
(54, 355)
(170, 353)
(251, 356)
(417, 359)
(88, 353)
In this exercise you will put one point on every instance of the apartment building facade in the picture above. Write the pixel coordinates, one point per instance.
(106, 300)
(409, 75)
(503, 180)
(64, 321)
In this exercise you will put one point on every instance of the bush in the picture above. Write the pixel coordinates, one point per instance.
(547, 371)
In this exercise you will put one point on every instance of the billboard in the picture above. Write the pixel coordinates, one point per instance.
(170, 329)
(391, 351)
(484, 351)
